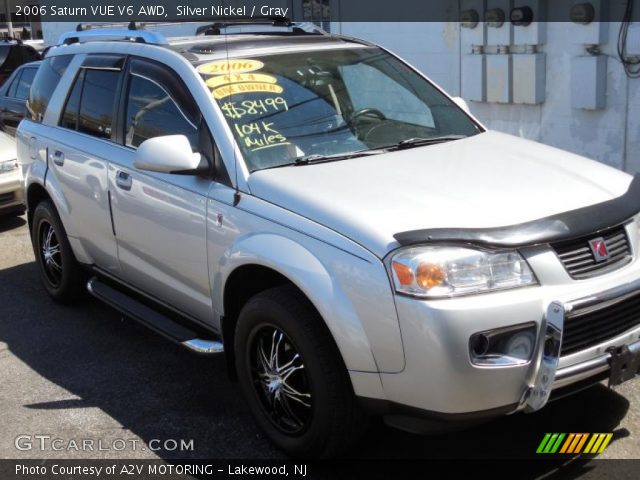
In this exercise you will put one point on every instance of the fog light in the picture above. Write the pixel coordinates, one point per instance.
(521, 345)
(503, 346)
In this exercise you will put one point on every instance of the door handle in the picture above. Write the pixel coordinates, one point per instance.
(58, 158)
(123, 180)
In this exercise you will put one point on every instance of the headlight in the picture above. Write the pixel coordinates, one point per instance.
(8, 166)
(439, 271)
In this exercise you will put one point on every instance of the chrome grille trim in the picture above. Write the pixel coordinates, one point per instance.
(580, 263)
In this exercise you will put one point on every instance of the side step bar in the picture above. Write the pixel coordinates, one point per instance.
(152, 319)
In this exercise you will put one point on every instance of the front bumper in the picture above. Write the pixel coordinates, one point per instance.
(545, 375)
(440, 378)
(11, 190)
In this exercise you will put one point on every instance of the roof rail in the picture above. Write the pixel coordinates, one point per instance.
(219, 23)
(123, 34)
(81, 27)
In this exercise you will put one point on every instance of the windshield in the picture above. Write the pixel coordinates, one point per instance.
(314, 104)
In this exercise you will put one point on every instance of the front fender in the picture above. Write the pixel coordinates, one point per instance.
(330, 290)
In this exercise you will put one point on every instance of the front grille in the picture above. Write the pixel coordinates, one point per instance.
(579, 260)
(7, 198)
(584, 329)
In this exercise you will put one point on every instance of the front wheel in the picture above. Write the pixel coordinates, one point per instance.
(293, 377)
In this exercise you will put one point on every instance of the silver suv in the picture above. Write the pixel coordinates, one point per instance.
(350, 237)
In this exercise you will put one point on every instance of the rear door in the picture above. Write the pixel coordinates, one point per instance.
(79, 154)
(160, 219)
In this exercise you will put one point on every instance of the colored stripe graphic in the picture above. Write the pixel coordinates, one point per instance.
(550, 443)
(574, 443)
(567, 443)
(598, 442)
(582, 441)
(543, 443)
(606, 442)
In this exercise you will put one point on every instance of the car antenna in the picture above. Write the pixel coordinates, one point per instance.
(236, 194)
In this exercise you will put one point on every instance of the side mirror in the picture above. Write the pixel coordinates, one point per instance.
(462, 103)
(168, 154)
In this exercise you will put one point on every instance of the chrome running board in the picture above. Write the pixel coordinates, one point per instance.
(153, 319)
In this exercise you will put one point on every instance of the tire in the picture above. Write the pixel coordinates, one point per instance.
(61, 275)
(322, 418)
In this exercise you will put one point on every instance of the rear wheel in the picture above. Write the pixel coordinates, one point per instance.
(61, 274)
(293, 377)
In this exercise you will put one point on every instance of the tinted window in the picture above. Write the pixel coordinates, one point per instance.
(45, 83)
(4, 53)
(11, 57)
(24, 83)
(11, 91)
(152, 112)
(30, 54)
(70, 114)
(97, 102)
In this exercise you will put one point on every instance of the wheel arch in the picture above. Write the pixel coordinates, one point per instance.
(36, 193)
(264, 261)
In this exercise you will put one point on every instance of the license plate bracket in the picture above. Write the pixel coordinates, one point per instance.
(625, 365)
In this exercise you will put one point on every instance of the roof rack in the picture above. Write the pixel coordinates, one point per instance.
(106, 32)
(218, 24)
(136, 32)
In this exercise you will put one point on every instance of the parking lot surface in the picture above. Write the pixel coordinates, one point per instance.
(82, 372)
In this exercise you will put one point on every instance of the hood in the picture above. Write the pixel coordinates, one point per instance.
(488, 180)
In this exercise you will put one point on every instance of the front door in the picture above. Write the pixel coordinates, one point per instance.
(160, 219)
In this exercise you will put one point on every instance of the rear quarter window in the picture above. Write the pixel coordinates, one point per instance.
(45, 83)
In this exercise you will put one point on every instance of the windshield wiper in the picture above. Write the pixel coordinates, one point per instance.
(315, 158)
(420, 142)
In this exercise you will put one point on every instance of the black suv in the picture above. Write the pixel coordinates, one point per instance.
(13, 97)
(14, 53)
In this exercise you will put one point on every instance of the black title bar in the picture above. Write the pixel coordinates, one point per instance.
(296, 10)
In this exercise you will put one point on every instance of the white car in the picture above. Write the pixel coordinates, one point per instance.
(11, 188)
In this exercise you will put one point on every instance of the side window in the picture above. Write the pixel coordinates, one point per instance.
(70, 113)
(24, 83)
(152, 112)
(11, 91)
(44, 84)
(97, 102)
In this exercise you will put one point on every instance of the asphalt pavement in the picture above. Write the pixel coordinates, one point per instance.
(83, 373)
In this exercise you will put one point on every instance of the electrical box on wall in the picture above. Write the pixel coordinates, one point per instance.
(499, 28)
(473, 86)
(498, 78)
(527, 27)
(590, 21)
(529, 78)
(589, 82)
(473, 29)
(633, 40)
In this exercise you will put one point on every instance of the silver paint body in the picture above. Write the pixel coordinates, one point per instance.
(328, 228)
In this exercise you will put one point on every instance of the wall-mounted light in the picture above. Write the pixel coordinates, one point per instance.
(469, 18)
(521, 16)
(582, 13)
(494, 17)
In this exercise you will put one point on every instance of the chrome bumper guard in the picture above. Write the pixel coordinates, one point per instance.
(544, 375)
